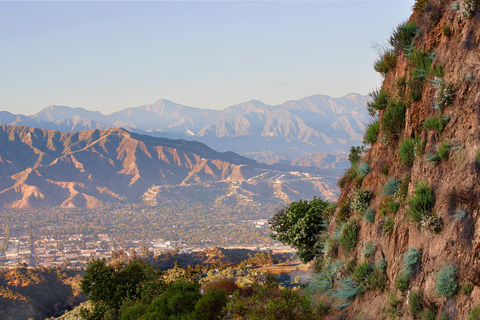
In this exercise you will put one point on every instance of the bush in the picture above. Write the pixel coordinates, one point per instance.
(371, 134)
(436, 123)
(361, 200)
(347, 290)
(478, 157)
(467, 9)
(474, 314)
(415, 89)
(390, 188)
(403, 35)
(407, 150)
(410, 260)
(376, 280)
(432, 223)
(445, 94)
(402, 282)
(421, 203)
(388, 225)
(415, 302)
(420, 6)
(369, 215)
(361, 271)
(368, 249)
(363, 169)
(379, 101)
(385, 62)
(443, 150)
(343, 212)
(393, 120)
(428, 314)
(421, 62)
(446, 281)
(447, 31)
(467, 289)
(349, 235)
(394, 307)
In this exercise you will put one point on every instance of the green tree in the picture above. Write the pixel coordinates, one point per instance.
(301, 224)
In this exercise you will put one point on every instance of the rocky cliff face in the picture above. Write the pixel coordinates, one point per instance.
(415, 192)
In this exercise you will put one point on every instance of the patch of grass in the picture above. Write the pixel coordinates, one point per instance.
(363, 169)
(403, 189)
(388, 225)
(420, 204)
(445, 94)
(371, 133)
(343, 212)
(376, 280)
(416, 302)
(385, 169)
(407, 150)
(421, 61)
(349, 235)
(368, 249)
(394, 307)
(410, 260)
(402, 282)
(447, 31)
(420, 6)
(443, 149)
(474, 314)
(393, 120)
(438, 71)
(467, 289)
(385, 62)
(428, 314)
(379, 101)
(436, 123)
(393, 206)
(403, 35)
(478, 156)
(390, 188)
(349, 175)
(401, 86)
(415, 89)
(467, 9)
(323, 308)
(446, 281)
(369, 215)
(361, 271)
(361, 200)
(347, 291)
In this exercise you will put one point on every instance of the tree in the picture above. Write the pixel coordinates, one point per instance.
(300, 225)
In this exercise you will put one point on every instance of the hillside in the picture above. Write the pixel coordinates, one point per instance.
(407, 219)
(293, 129)
(91, 168)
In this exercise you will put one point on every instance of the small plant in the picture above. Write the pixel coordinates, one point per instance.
(349, 235)
(363, 169)
(361, 200)
(368, 249)
(361, 271)
(447, 31)
(432, 223)
(379, 101)
(402, 282)
(371, 134)
(390, 188)
(455, 6)
(445, 94)
(436, 123)
(385, 169)
(401, 85)
(446, 281)
(474, 314)
(388, 225)
(408, 149)
(459, 215)
(386, 62)
(403, 189)
(478, 157)
(394, 307)
(369, 215)
(421, 203)
(348, 290)
(415, 89)
(393, 120)
(466, 289)
(415, 302)
(443, 150)
(470, 77)
(323, 308)
(421, 62)
(376, 280)
(343, 212)
(403, 35)
(467, 9)
(410, 260)
(428, 314)
(438, 71)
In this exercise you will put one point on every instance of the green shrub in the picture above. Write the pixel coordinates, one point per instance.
(349, 235)
(385, 62)
(443, 150)
(371, 134)
(436, 123)
(445, 94)
(393, 120)
(420, 6)
(343, 212)
(421, 62)
(432, 223)
(403, 189)
(466, 288)
(415, 89)
(410, 260)
(390, 188)
(402, 282)
(428, 314)
(446, 281)
(467, 9)
(379, 101)
(474, 314)
(376, 280)
(369, 215)
(361, 200)
(361, 271)
(401, 85)
(323, 308)
(447, 31)
(363, 169)
(407, 150)
(421, 203)
(348, 290)
(394, 307)
(478, 157)
(415, 302)
(368, 249)
(433, 158)
(403, 35)
(438, 71)
(388, 225)
(355, 155)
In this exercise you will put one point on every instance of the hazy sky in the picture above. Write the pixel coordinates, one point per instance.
(107, 56)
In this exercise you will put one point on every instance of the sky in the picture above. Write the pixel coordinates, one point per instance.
(110, 55)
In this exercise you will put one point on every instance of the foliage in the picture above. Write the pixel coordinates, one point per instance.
(447, 31)
(420, 6)
(369, 215)
(402, 281)
(363, 169)
(415, 89)
(379, 101)
(415, 302)
(433, 223)
(410, 260)
(361, 271)
(343, 212)
(428, 314)
(478, 156)
(371, 134)
(467, 9)
(348, 290)
(421, 203)
(361, 200)
(301, 224)
(355, 155)
(459, 215)
(368, 249)
(466, 288)
(436, 123)
(407, 150)
(394, 307)
(376, 280)
(388, 225)
(349, 235)
(446, 281)
(445, 94)
(474, 314)
(385, 62)
(390, 188)
(403, 35)
(421, 62)
(393, 120)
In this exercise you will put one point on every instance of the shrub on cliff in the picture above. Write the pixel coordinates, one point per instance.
(446, 281)
(393, 120)
(420, 204)
(371, 134)
(385, 62)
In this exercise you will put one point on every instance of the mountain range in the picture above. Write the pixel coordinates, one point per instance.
(264, 132)
(91, 168)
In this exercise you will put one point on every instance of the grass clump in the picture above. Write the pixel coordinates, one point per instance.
(420, 204)
(410, 261)
(393, 120)
(361, 271)
(478, 157)
(343, 212)
(363, 169)
(415, 89)
(446, 281)
(408, 149)
(394, 307)
(385, 62)
(447, 31)
(444, 94)
(379, 101)
(428, 314)
(347, 291)
(390, 188)
(369, 215)
(436, 123)
(368, 249)
(466, 289)
(388, 225)
(420, 6)
(416, 303)
(349, 235)
(421, 62)
(371, 134)
(474, 314)
(361, 200)
(402, 282)
(403, 35)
